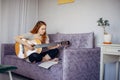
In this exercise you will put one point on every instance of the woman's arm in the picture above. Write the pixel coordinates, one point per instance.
(53, 47)
(19, 40)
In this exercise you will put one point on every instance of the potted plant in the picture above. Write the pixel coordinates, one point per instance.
(104, 23)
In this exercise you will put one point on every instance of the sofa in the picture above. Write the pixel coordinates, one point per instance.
(79, 61)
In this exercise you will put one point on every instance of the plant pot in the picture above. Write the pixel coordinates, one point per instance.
(107, 39)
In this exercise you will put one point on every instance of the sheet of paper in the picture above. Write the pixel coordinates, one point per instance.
(47, 64)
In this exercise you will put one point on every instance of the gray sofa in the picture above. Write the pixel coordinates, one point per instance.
(80, 61)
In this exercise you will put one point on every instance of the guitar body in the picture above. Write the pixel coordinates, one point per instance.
(23, 51)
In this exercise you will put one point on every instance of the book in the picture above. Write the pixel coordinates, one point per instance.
(48, 64)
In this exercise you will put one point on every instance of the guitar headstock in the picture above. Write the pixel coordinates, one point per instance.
(65, 43)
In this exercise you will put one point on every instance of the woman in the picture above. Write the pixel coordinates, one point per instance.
(38, 32)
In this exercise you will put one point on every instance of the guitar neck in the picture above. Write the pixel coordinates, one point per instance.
(46, 45)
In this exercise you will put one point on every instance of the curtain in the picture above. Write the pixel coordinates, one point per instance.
(0, 20)
(0, 31)
(17, 17)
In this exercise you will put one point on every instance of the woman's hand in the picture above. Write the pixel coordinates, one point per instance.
(31, 47)
(58, 45)
(55, 59)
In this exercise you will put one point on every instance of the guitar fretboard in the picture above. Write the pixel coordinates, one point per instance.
(46, 45)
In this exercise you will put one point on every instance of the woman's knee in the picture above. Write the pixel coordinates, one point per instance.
(33, 57)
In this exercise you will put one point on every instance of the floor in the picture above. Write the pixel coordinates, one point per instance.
(5, 76)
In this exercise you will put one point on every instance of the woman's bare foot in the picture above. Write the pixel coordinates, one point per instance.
(55, 59)
(46, 58)
(34, 62)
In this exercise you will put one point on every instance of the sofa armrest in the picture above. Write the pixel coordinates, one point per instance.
(7, 49)
(81, 64)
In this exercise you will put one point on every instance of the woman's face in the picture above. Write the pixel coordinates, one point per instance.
(42, 30)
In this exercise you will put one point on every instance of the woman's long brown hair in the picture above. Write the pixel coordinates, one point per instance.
(36, 28)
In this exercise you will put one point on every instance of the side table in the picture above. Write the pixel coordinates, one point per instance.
(109, 53)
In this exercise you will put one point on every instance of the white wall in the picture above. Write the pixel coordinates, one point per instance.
(81, 16)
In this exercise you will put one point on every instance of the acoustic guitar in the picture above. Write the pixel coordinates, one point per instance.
(23, 51)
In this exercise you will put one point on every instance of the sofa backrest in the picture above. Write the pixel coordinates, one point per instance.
(81, 40)
(78, 40)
